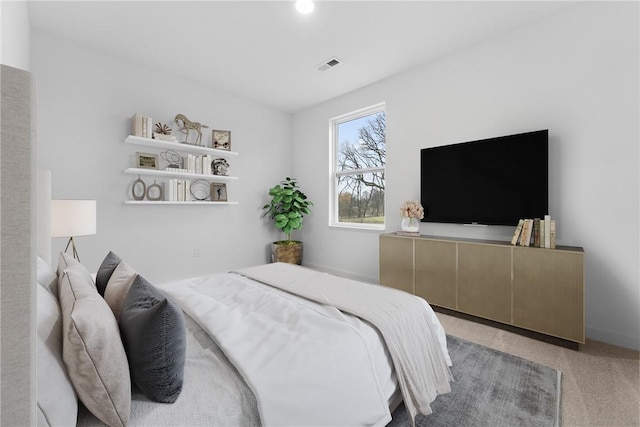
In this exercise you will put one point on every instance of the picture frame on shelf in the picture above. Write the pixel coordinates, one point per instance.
(218, 192)
(147, 161)
(221, 140)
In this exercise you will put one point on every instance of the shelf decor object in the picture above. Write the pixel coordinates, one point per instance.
(218, 192)
(221, 139)
(154, 192)
(187, 125)
(163, 131)
(200, 190)
(147, 161)
(172, 158)
(136, 192)
(73, 218)
(220, 166)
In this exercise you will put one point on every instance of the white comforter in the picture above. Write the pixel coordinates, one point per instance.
(307, 363)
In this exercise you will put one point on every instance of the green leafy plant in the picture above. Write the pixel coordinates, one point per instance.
(288, 207)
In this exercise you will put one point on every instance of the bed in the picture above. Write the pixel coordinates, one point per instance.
(265, 345)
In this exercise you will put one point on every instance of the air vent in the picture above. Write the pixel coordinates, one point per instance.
(330, 63)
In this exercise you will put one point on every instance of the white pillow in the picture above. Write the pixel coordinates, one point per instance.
(57, 401)
(118, 287)
(92, 348)
(46, 276)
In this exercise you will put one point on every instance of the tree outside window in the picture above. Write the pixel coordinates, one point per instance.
(359, 144)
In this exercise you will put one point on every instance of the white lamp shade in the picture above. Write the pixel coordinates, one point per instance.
(70, 218)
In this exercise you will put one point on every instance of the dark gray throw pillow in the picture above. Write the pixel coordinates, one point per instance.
(153, 333)
(105, 271)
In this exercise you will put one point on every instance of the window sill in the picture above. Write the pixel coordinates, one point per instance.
(358, 226)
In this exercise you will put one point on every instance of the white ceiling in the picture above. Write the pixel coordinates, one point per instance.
(267, 52)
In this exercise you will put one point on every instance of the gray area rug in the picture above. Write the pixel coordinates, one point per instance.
(492, 388)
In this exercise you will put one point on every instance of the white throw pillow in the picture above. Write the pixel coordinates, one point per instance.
(118, 287)
(46, 276)
(57, 401)
(92, 348)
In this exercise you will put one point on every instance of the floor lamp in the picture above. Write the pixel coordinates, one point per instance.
(73, 218)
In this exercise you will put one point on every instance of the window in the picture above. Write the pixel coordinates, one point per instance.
(358, 146)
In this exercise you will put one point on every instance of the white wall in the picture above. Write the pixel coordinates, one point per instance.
(85, 100)
(575, 73)
(16, 32)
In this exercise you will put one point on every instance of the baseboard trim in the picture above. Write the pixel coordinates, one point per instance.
(613, 338)
(509, 328)
(342, 273)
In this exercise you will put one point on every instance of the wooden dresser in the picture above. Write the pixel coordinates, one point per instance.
(532, 289)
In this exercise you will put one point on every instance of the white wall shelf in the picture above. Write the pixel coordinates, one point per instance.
(177, 146)
(164, 202)
(164, 173)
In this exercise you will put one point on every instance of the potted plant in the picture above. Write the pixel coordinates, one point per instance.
(287, 208)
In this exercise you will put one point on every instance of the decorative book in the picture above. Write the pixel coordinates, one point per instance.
(538, 233)
(141, 126)
(547, 231)
(527, 230)
(516, 234)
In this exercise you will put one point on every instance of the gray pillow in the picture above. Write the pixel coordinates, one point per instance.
(153, 333)
(118, 287)
(64, 261)
(105, 271)
(92, 350)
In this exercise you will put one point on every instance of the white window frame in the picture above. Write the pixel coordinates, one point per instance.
(334, 122)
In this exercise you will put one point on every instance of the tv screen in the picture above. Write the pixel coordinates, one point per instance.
(494, 181)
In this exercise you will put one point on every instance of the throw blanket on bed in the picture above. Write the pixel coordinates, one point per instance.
(308, 364)
(420, 365)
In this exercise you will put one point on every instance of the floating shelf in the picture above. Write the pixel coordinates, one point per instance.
(162, 202)
(164, 173)
(177, 146)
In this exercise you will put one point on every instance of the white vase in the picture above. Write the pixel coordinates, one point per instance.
(410, 225)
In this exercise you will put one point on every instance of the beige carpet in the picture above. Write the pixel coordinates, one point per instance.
(600, 383)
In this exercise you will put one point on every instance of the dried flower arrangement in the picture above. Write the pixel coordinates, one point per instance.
(412, 209)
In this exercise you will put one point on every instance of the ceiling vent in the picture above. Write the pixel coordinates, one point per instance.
(328, 64)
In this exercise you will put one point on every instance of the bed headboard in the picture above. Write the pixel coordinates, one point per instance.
(43, 215)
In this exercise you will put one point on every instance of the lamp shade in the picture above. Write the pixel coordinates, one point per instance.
(70, 218)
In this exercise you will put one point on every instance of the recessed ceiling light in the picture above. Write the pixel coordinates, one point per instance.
(304, 6)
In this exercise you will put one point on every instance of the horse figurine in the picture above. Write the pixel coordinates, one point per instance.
(186, 125)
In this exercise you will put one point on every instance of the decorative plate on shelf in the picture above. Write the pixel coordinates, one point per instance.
(200, 190)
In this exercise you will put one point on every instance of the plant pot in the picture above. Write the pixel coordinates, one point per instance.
(287, 251)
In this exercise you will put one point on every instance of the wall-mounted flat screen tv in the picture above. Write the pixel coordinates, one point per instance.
(494, 181)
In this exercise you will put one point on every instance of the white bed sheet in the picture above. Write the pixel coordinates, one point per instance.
(213, 393)
(308, 363)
